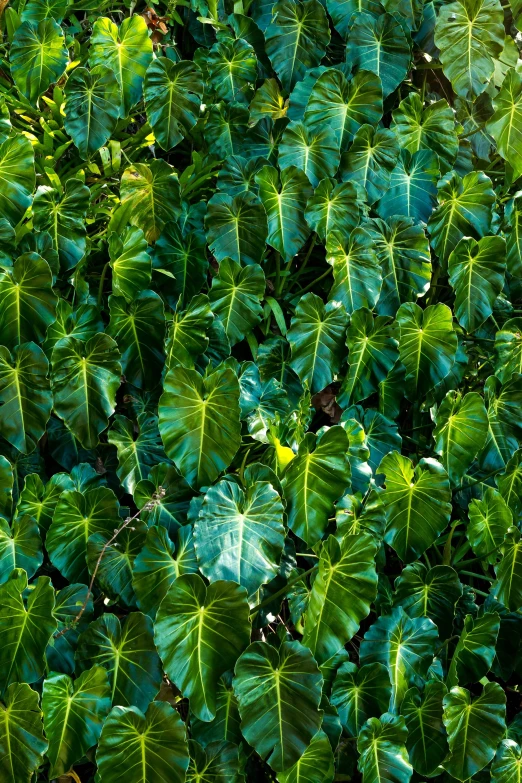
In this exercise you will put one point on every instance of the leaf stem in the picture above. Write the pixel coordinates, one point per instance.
(317, 280)
(477, 576)
(102, 282)
(283, 591)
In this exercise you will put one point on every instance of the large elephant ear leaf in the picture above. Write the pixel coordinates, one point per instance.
(130, 263)
(370, 160)
(475, 650)
(342, 593)
(200, 632)
(429, 593)
(315, 152)
(141, 746)
(427, 743)
(508, 762)
(17, 177)
(431, 128)
(427, 345)
(137, 454)
(199, 422)
(279, 692)
(232, 69)
(316, 338)
(508, 585)
(489, 521)
(25, 396)
(412, 190)
(476, 273)
(314, 480)
(236, 227)
(333, 207)
(62, 215)
(150, 196)
(475, 727)
(21, 733)
(506, 125)
(181, 83)
(127, 51)
(91, 107)
(38, 57)
(284, 197)
(182, 259)
(85, 378)
(417, 502)
(27, 301)
(73, 716)
(239, 534)
(359, 694)
(460, 432)
(508, 347)
(357, 272)
(469, 60)
(316, 763)
(296, 39)
(382, 747)
(235, 298)
(20, 547)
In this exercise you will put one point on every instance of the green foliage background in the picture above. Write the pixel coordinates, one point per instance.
(260, 391)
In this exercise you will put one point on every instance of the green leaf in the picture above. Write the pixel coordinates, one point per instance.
(412, 191)
(130, 263)
(508, 586)
(127, 50)
(403, 251)
(27, 300)
(432, 593)
(239, 534)
(505, 125)
(314, 480)
(344, 106)
(342, 592)
(460, 432)
(296, 39)
(235, 296)
(196, 640)
(475, 650)
(150, 196)
(82, 323)
(427, 345)
(136, 455)
(17, 178)
(22, 741)
(506, 765)
(405, 646)
(431, 128)
(25, 396)
(370, 160)
(426, 743)
(73, 715)
(315, 152)
(62, 215)
(172, 93)
(489, 520)
(316, 765)
(333, 206)
(379, 45)
(225, 726)
(20, 547)
(38, 500)
(279, 692)
(184, 257)
(215, 761)
(316, 338)
(26, 627)
(468, 59)
(284, 197)
(417, 504)
(236, 227)
(143, 746)
(91, 108)
(476, 273)
(199, 422)
(60, 652)
(474, 728)
(160, 563)
(382, 747)
(356, 270)
(171, 495)
(359, 694)
(38, 58)
(138, 327)
(232, 69)
(373, 352)
(128, 654)
(77, 516)
(113, 564)
(508, 347)
(85, 378)
(188, 333)
(465, 209)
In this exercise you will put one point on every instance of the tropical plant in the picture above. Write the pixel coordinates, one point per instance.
(260, 391)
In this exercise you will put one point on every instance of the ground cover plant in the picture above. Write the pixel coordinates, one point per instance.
(260, 391)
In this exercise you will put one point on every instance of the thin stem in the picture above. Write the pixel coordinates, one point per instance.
(277, 273)
(102, 281)
(479, 480)
(317, 280)
(473, 560)
(446, 555)
(477, 576)
(283, 591)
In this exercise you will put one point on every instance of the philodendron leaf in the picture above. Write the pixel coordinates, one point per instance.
(507, 763)
(315, 765)
(17, 177)
(112, 565)
(201, 441)
(22, 741)
(235, 298)
(427, 744)
(508, 586)
(333, 207)
(417, 503)
(239, 534)
(383, 755)
(489, 520)
(475, 649)
(91, 107)
(279, 692)
(130, 263)
(27, 623)
(284, 196)
(62, 215)
(27, 300)
(126, 650)
(359, 694)
(172, 92)
(187, 338)
(431, 128)
(136, 455)
(142, 746)
(73, 714)
(505, 125)
(182, 258)
(38, 57)
(232, 68)
(236, 227)
(85, 378)
(432, 593)
(475, 727)
(509, 483)
(412, 191)
(405, 646)
(343, 590)
(206, 627)
(508, 347)
(316, 153)
(370, 160)
(25, 396)
(316, 338)
(150, 195)
(356, 269)
(460, 432)
(20, 547)
(314, 480)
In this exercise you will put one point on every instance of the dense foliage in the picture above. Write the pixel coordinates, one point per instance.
(260, 391)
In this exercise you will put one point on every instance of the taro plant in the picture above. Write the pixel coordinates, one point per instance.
(260, 391)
